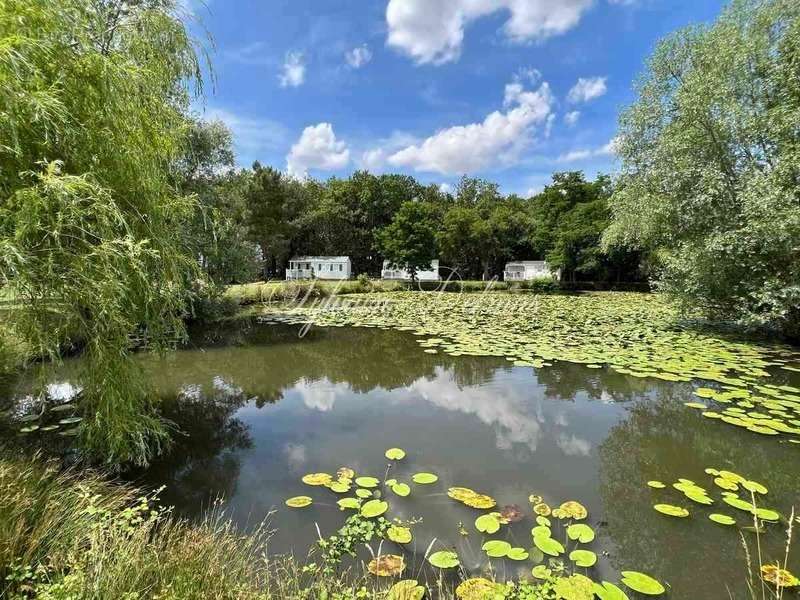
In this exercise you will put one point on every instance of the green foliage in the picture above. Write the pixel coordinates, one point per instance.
(409, 241)
(356, 531)
(92, 244)
(710, 158)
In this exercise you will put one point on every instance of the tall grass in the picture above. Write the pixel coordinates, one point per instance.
(64, 536)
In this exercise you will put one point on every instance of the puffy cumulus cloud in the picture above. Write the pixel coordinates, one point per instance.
(358, 57)
(499, 139)
(432, 31)
(375, 159)
(251, 135)
(294, 70)
(605, 150)
(587, 88)
(317, 148)
(571, 118)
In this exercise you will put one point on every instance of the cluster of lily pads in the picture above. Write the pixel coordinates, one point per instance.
(731, 484)
(560, 533)
(49, 417)
(639, 335)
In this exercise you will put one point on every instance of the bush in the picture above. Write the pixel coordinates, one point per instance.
(540, 285)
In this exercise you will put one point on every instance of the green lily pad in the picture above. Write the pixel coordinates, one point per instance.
(644, 584)
(362, 493)
(395, 454)
(656, 485)
(722, 519)
(444, 559)
(517, 554)
(367, 482)
(496, 548)
(541, 572)
(352, 503)
(487, 523)
(407, 589)
(374, 508)
(299, 502)
(399, 534)
(425, 478)
(401, 489)
(609, 591)
(583, 558)
(580, 532)
(548, 545)
(672, 511)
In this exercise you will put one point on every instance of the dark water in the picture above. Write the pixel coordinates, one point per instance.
(259, 407)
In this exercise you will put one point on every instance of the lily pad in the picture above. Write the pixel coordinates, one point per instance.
(425, 478)
(644, 584)
(395, 454)
(399, 534)
(299, 502)
(477, 588)
(548, 545)
(583, 558)
(575, 587)
(580, 532)
(401, 489)
(487, 523)
(609, 591)
(573, 510)
(364, 494)
(317, 479)
(517, 554)
(374, 508)
(656, 485)
(407, 589)
(388, 565)
(444, 559)
(780, 578)
(671, 510)
(351, 503)
(367, 482)
(541, 572)
(722, 519)
(496, 548)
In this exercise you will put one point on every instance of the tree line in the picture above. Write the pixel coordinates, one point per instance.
(261, 218)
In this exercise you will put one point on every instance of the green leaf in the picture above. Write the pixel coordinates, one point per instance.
(583, 558)
(444, 559)
(395, 454)
(374, 508)
(425, 478)
(644, 584)
(496, 548)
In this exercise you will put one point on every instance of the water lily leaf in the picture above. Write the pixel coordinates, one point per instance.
(471, 498)
(543, 521)
(487, 523)
(542, 509)
(399, 534)
(541, 572)
(367, 482)
(401, 489)
(766, 514)
(644, 584)
(407, 589)
(317, 479)
(735, 477)
(29, 429)
(362, 493)
(352, 503)
(609, 591)
(576, 587)
(573, 510)
(70, 420)
(580, 532)
(656, 485)
(374, 508)
(496, 548)
(511, 513)
(517, 554)
(388, 565)
(755, 487)
(672, 511)
(726, 484)
(583, 558)
(722, 519)
(345, 473)
(340, 487)
(444, 559)
(299, 502)
(778, 577)
(425, 478)
(548, 545)
(477, 588)
(395, 454)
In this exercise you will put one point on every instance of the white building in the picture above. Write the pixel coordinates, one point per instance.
(391, 272)
(318, 267)
(525, 270)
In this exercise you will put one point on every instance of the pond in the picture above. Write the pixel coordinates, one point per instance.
(259, 407)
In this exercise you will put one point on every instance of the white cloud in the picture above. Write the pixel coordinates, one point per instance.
(432, 31)
(583, 154)
(499, 139)
(294, 70)
(317, 148)
(358, 57)
(252, 136)
(571, 118)
(374, 159)
(587, 89)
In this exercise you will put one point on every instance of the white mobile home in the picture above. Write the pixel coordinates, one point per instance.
(318, 267)
(525, 270)
(392, 272)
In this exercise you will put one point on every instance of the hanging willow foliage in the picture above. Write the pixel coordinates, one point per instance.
(93, 102)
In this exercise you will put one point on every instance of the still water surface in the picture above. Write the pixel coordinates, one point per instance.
(259, 407)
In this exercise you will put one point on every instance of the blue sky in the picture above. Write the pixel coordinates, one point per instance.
(509, 90)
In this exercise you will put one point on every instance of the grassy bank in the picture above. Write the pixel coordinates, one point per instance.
(64, 536)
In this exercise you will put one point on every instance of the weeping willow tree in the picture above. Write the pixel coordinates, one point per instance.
(710, 156)
(93, 102)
